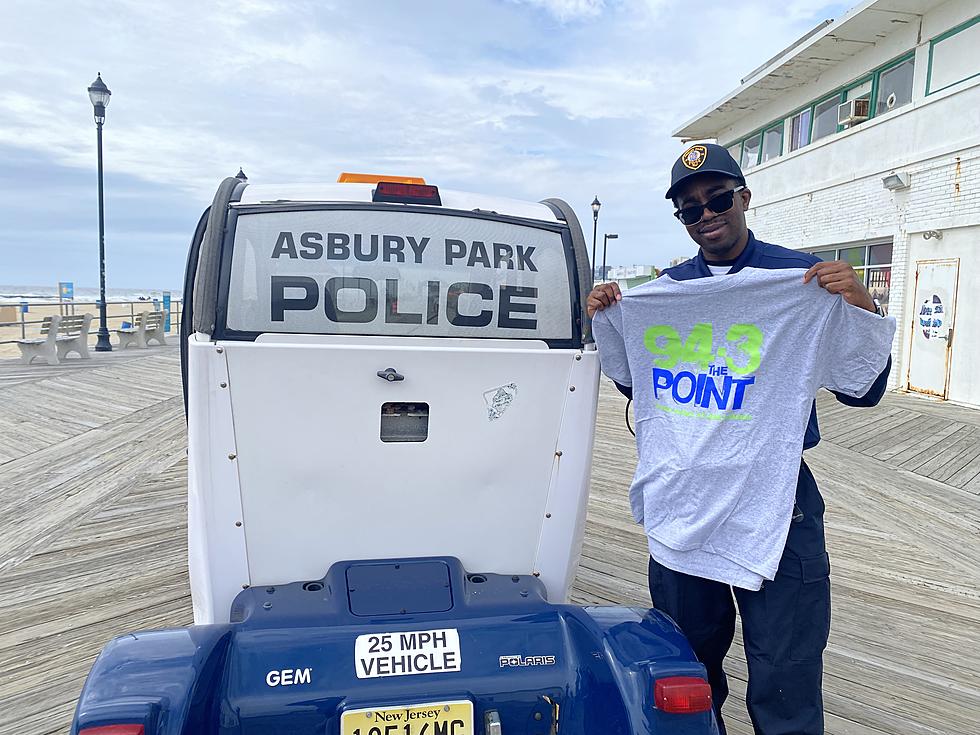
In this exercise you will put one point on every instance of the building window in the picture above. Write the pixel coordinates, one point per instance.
(800, 129)
(861, 90)
(750, 151)
(879, 278)
(884, 89)
(772, 142)
(895, 87)
(872, 263)
(825, 118)
(953, 57)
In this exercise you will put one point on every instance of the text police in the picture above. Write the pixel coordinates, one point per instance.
(513, 306)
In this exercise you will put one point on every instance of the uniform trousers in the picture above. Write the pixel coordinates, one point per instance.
(785, 624)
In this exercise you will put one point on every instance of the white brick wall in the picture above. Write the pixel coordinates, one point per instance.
(945, 190)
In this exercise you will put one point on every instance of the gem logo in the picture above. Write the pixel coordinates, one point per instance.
(288, 677)
(694, 156)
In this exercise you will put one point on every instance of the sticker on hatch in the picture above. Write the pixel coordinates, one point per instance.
(407, 652)
(435, 718)
(499, 399)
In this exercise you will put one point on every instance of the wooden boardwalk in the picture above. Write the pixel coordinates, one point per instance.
(92, 542)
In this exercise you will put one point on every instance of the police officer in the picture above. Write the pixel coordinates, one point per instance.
(786, 623)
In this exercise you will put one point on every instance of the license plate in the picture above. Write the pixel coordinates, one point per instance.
(435, 718)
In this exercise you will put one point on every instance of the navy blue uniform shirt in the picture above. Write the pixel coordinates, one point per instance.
(758, 254)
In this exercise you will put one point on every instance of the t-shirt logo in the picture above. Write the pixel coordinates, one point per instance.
(694, 156)
(718, 379)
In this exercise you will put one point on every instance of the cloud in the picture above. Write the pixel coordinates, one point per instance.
(522, 98)
(566, 10)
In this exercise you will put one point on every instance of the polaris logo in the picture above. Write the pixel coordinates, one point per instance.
(288, 677)
(506, 661)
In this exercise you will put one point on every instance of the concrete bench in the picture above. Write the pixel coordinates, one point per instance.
(147, 325)
(59, 336)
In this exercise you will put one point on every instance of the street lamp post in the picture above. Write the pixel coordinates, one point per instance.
(595, 224)
(605, 241)
(99, 94)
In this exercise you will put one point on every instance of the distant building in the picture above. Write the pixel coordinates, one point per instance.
(860, 142)
(622, 272)
(628, 276)
(678, 261)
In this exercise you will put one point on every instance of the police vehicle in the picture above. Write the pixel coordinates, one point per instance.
(390, 393)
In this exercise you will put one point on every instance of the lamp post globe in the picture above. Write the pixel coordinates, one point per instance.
(99, 94)
(595, 224)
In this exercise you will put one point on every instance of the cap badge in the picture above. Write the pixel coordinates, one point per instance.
(694, 156)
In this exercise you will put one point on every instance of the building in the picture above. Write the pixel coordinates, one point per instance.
(628, 276)
(862, 142)
(624, 272)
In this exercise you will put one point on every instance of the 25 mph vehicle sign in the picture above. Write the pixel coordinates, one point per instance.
(407, 652)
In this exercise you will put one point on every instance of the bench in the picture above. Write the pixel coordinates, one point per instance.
(59, 336)
(147, 325)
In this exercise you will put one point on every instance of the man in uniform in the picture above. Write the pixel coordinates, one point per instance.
(785, 624)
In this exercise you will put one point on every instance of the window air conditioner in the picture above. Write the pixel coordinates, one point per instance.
(853, 111)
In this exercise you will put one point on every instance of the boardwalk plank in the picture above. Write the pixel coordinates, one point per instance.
(92, 543)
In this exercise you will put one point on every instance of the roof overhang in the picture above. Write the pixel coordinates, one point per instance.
(822, 48)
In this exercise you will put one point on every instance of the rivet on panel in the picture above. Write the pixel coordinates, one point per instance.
(578, 357)
(238, 524)
(220, 350)
(571, 388)
(232, 455)
(223, 385)
(537, 574)
(558, 453)
(547, 515)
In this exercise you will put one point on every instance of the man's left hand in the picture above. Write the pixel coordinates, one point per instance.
(837, 276)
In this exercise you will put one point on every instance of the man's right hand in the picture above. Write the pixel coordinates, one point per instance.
(603, 295)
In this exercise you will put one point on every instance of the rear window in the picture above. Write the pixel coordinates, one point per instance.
(405, 273)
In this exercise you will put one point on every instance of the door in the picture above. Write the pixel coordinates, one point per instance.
(321, 481)
(933, 317)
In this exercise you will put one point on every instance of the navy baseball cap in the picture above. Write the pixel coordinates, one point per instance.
(703, 158)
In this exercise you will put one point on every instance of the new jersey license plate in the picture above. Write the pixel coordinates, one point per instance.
(435, 718)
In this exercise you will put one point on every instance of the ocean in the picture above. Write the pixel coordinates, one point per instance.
(13, 294)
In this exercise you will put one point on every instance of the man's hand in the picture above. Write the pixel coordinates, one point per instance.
(837, 276)
(603, 295)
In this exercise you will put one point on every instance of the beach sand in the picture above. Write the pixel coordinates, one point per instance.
(116, 314)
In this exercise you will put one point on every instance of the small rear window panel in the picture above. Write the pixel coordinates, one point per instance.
(398, 273)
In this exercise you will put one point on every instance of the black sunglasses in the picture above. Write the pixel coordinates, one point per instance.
(718, 203)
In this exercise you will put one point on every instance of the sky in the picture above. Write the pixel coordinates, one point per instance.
(520, 98)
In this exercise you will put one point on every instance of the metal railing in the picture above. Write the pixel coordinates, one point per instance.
(70, 308)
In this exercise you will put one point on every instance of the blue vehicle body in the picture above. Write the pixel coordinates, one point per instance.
(286, 662)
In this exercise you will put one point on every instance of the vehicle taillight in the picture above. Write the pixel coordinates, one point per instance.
(682, 695)
(393, 191)
(128, 729)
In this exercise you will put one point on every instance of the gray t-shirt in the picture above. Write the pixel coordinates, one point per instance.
(724, 371)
